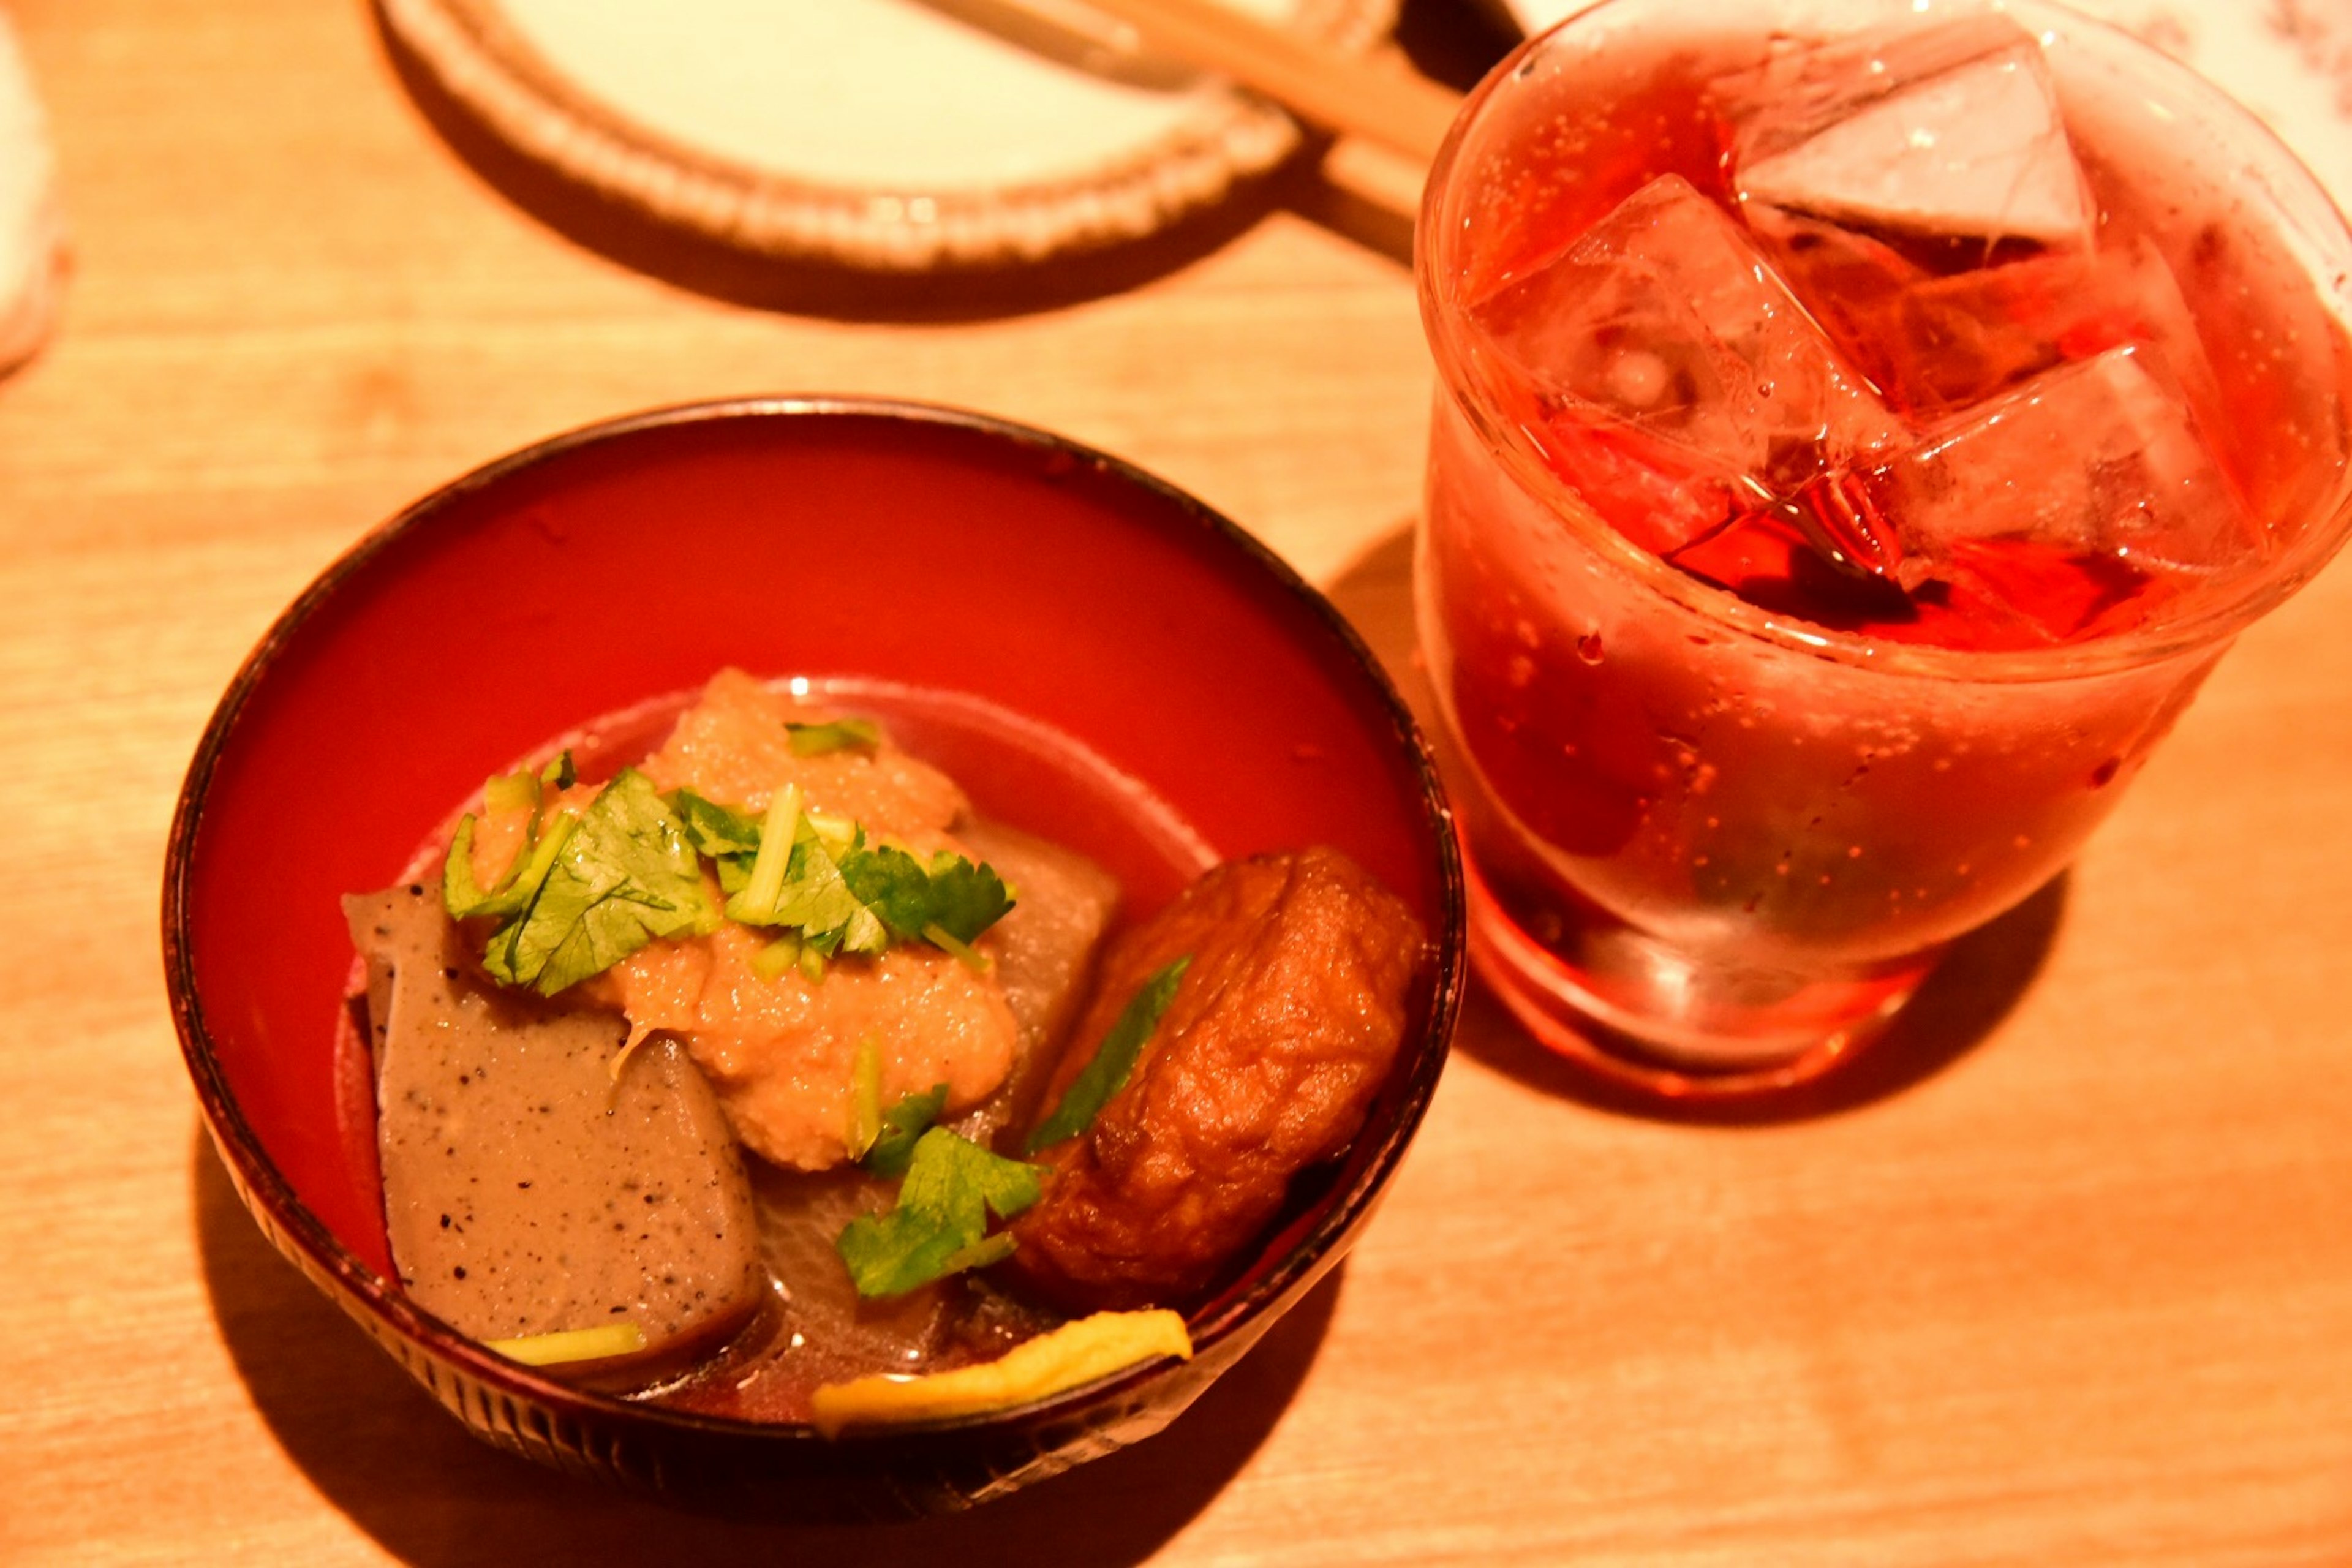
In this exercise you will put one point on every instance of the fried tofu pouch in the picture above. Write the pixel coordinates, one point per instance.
(1265, 1063)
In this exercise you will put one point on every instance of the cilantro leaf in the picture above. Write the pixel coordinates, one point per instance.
(819, 902)
(464, 899)
(755, 904)
(716, 832)
(959, 1178)
(841, 735)
(511, 791)
(824, 886)
(844, 895)
(902, 1127)
(960, 897)
(940, 1224)
(1107, 1073)
(623, 875)
(893, 1253)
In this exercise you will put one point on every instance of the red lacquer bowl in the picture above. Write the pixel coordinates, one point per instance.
(834, 537)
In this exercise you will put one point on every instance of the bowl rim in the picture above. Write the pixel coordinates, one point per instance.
(365, 1293)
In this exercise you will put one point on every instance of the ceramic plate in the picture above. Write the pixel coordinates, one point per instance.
(900, 135)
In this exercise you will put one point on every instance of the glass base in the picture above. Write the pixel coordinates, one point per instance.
(1644, 1013)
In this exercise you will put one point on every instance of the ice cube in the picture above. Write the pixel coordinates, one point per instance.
(1935, 343)
(2097, 458)
(1952, 129)
(1673, 375)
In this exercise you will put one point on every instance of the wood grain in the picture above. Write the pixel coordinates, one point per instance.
(2062, 1274)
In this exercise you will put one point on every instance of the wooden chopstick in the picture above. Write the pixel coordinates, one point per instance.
(1378, 99)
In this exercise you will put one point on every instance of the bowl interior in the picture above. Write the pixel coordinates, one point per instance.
(884, 543)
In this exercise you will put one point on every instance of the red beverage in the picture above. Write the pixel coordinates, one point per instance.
(1856, 447)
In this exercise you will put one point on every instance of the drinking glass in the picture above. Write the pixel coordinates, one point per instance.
(1716, 842)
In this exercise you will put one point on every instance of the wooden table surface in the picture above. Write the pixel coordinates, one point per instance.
(2062, 1274)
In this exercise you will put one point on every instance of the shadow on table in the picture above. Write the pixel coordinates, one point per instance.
(1962, 1001)
(1450, 40)
(381, 1451)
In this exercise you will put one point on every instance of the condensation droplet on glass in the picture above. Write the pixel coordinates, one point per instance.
(1588, 647)
(1854, 851)
(1521, 671)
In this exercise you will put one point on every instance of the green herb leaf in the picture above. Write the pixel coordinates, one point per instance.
(831, 889)
(902, 1125)
(623, 875)
(460, 894)
(816, 740)
(511, 791)
(756, 903)
(951, 893)
(939, 1225)
(715, 831)
(464, 899)
(1107, 1073)
(816, 900)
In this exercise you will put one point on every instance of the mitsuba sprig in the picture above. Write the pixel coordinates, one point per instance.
(591, 887)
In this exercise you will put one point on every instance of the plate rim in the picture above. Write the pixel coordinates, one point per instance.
(1231, 135)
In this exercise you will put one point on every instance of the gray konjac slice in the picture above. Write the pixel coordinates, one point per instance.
(526, 1192)
(1046, 948)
